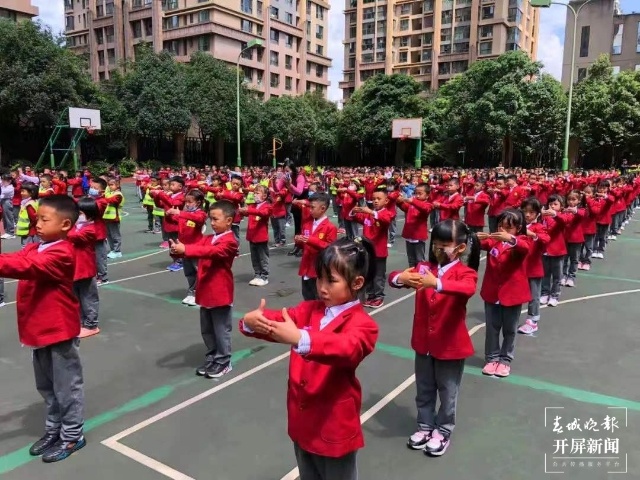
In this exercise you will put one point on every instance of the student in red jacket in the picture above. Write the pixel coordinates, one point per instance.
(555, 220)
(537, 233)
(416, 210)
(85, 285)
(605, 202)
(475, 206)
(505, 287)
(318, 233)
(258, 235)
(452, 202)
(440, 339)
(191, 221)
(170, 202)
(574, 237)
(49, 323)
(278, 214)
(329, 339)
(588, 227)
(214, 295)
(498, 194)
(376, 228)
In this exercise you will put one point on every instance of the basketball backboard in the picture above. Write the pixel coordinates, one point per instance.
(84, 118)
(406, 128)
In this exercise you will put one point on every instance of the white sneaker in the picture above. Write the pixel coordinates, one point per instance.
(6, 236)
(2, 304)
(389, 245)
(553, 302)
(594, 255)
(570, 282)
(600, 254)
(563, 282)
(544, 299)
(254, 282)
(189, 300)
(261, 282)
(613, 237)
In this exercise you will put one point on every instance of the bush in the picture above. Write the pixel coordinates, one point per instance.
(127, 167)
(98, 168)
(152, 165)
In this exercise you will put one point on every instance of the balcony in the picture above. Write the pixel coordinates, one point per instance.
(206, 28)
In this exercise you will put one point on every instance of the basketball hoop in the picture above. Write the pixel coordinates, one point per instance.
(403, 137)
(90, 130)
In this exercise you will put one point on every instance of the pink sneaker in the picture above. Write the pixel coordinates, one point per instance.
(164, 245)
(490, 368)
(88, 332)
(503, 370)
(586, 267)
(528, 327)
(580, 266)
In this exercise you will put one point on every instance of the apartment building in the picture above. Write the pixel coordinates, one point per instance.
(602, 28)
(17, 10)
(431, 40)
(292, 61)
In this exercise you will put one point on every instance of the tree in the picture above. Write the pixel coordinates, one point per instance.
(38, 78)
(292, 120)
(155, 94)
(326, 116)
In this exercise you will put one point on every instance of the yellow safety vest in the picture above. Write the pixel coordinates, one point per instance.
(147, 200)
(23, 224)
(111, 212)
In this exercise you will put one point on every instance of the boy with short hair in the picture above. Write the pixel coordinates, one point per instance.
(317, 234)
(97, 187)
(49, 323)
(215, 254)
(111, 216)
(258, 235)
(169, 201)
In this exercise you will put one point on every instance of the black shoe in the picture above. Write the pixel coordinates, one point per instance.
(45, 443)
(62, 450)
(202, 369)
(217, 370)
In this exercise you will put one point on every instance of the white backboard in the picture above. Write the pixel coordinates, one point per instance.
(84, 118)
(409, 127)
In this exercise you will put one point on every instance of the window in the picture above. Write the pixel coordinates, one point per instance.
(110, 33)
(319, 12)
(288, 61)
(101, 57)
(405, 9)
(382, 12)
(287, 83)
(319, 50)
(445, 49)
(69, 23)
(288, 17)
(108, 8)
(259, 8)
(245, 6)
(514, 15)
(460, 33)
(367, 29)
(367, 58)
(203, 16)
(99, 36)
(402, 57)
(444, 68)
(169, 4)
(247, 54)
(137, 29)
(380, 56)
(111, 56)
(275, 80)
(584, 41)
(638, 41)
(617, 39)
(170, 22)
(486, 31)
(427, 6)
(447, 4)
(275, 36)
(461, 47)
(246, 26)
(425, 56)
(382, 28)
(615, 70)
(274, 12)
(404, 25)
(148, 27)
(404, 41)
(381, 43)
(445, 35)
(368, 13)
(486, 48)
(352, 31)
(288, 40)
(460, 66)
(463, 14)
(488, 12)
(319, 71)
(274, 58)
(427, 38)
(447, 17)
(582, 74)
(319, 31)
(99, 11)
(204, 43)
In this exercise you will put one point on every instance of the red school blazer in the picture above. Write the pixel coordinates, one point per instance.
(450, 207)
(439, 321)
(535, 268)
(475, 209)
(376, 229)
(215, 278)
(416, 217)
(84, 243)
(324, 396)
(324, 234)
(258, 226)
(505, 278)
(48, 310)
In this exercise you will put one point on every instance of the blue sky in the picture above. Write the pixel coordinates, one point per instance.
(549, 51)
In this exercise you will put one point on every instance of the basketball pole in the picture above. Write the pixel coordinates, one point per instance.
(418, 163)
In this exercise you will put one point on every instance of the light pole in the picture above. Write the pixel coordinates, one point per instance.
(567, 133)
(253, 43)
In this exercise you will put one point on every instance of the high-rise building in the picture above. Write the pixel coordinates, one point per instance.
(602, 28)
(17, 10)
(431, 40)
(292, 61)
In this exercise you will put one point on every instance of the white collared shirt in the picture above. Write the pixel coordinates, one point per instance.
(316, 223)
(43, 246)
(216, 236)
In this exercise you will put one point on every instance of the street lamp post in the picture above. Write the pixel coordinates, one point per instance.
(567, 133)
(253, 43)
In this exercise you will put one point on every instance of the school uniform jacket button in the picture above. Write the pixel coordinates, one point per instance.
(303, 383)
